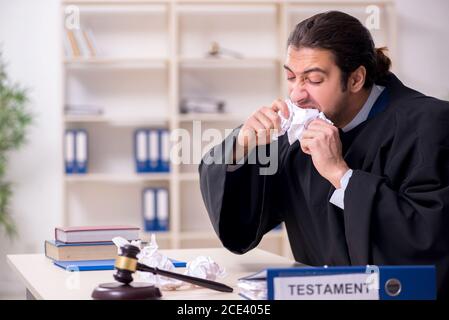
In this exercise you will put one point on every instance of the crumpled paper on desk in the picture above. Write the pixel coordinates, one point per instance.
(297, 121)
(201, 267)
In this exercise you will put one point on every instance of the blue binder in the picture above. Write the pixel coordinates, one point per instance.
(81, 151)
(149, 209)
(153, 151)
(76, 151)
(155, 209)
(94, 265)
(141, 150)
(164, 150)
(395, 282)
(69, 151)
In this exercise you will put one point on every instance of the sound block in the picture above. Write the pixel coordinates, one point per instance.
(132, 291)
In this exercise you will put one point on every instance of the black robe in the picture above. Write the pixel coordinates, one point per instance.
(396, 203)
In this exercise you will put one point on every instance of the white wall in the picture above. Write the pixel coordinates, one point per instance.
(29, 32)
(29, 35)
(423, 46)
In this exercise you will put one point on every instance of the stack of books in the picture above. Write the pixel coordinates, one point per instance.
(87, 248)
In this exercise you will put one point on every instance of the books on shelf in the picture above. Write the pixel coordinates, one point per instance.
(80, 43)
(76, 151)
(61, 251)
(82, 110)
(95, 234)
(152, 150)
(155, 209)
(202, 105)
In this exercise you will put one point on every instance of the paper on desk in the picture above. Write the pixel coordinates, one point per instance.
(201, 267)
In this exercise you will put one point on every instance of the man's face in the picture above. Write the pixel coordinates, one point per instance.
(314, 81)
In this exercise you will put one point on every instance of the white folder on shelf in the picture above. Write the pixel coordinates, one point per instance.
(141, 151)
(165, 150)
(149, 209)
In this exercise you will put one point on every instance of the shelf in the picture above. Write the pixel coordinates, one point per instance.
(201, 63)
(211, 117)
(117, 178)
(116, 63)
(189, 177)
(118, 121)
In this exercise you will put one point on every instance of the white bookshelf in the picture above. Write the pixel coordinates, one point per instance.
(151, 55)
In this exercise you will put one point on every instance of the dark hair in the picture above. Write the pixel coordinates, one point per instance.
(349, 41)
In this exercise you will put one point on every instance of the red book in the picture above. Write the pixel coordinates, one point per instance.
(95, 234)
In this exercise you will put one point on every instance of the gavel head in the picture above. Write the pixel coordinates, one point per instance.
(126, 264)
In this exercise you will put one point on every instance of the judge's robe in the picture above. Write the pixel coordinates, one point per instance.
(396, 205)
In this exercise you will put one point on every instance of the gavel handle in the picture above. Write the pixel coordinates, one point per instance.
(194, 280)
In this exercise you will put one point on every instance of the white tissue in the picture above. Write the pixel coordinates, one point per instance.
(205, 268)
(297, 121)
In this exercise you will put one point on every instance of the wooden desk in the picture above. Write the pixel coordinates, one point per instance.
(43, 280)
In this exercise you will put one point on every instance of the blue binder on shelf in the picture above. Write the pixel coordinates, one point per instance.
(155, 209)
(371, 282)
(152, 150)
(141, 150)
(69, 151)
(81, 151)
(164, 147)
(76, 151)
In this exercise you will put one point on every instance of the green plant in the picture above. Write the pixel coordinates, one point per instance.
(14, 119)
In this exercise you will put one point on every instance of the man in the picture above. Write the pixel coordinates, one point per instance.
(373, 188)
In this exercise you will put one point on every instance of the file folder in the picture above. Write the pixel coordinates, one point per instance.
(162, 209)
(149, 209)
(81, 151)
(153, 147)
(141, 150)
(69, 151)
(164, 137)
(381, 282)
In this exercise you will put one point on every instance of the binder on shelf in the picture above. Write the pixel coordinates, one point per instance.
(164, 143)
(342, 283)
(81, 151)
(155, 209)
(141, 150)
(69, 151)
(149, 209)
(76, 151)
(162, 209)
(152, 150)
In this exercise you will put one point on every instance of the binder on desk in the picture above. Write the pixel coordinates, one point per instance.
(81, 153)
(342, 283)
(155, 209)
(141, 150)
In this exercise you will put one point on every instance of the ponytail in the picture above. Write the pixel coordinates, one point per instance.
(383, 65)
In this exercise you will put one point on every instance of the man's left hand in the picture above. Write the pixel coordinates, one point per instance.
(322, 142)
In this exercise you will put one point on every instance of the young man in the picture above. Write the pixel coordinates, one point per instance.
(373, 188)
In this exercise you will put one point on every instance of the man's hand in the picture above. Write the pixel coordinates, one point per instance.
(322, 142)
(258, 128)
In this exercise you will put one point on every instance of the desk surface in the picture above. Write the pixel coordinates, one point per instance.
(46, 281)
